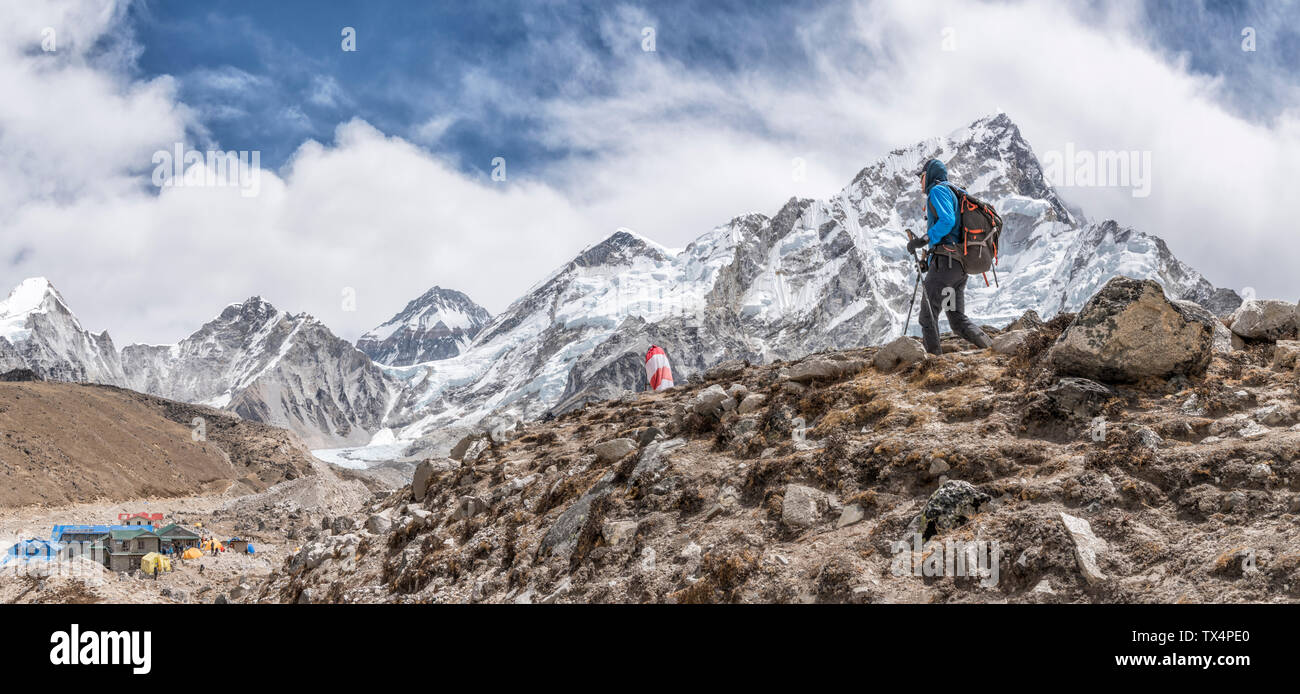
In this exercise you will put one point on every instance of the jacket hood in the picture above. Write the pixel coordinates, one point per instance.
(935, 172)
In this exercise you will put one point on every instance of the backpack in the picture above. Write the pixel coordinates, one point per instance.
(980, 228)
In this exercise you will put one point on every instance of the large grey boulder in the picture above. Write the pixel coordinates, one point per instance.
(951, 505)
(752, 403)
(901, 352)
(1010, 342)
(1223, 342)
(822, 369)
(802, 507)
(1079, 397)
(614, 449)
(712, 401)
(1264, 319)
(1128, 331)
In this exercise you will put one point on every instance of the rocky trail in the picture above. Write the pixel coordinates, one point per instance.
(1142, 450)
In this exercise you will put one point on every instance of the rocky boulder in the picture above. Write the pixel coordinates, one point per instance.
(821, 369)
(901, 352)
(951, 505)
(752, 403)
(712, 401)
(1078, 397)
(1009, 342)
(1087, 547)
(1223, 342)
(1286, 354)
(802, 507)
(614, 449)
(1029, 320)
(1129, 331)
(1261, 319)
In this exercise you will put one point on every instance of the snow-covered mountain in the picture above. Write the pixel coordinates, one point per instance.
(819, 274)
(283, 369)
(38, 331)
(440, 324)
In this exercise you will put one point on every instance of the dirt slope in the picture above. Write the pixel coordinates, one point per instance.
(63, 443)
(1190, 492)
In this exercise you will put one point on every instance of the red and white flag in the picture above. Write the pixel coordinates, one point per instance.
(657, 370)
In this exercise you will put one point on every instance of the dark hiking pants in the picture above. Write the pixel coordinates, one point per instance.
(945, 290)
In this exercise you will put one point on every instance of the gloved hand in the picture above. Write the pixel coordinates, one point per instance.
(917, 243)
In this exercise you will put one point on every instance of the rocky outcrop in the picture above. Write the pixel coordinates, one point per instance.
(824, 369)
(1129, 331)
(1259, 319)
(951, 505)
(759, 508)
(1224, 341)
(802, 507)
(903, 351)
(614, 449)
(1010, 342)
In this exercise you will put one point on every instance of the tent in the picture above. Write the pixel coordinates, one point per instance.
(192, 553)
(154, 561)
(251, 550)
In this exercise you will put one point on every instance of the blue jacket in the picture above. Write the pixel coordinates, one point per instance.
(941, 212)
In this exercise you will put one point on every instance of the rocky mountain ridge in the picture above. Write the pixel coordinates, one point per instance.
(1172, 474)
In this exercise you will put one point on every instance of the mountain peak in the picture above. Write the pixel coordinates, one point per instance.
(620, 247)
(439, 324)
(29, 295)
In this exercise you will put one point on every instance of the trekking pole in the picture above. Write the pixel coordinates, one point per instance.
(920, 264)
(907, 322)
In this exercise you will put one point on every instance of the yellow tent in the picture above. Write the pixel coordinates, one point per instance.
(154, 561)
(192, 553)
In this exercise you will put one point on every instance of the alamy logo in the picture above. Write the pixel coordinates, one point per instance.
(180, 167)
(952, 558)
(75, 647)
(1099, 169)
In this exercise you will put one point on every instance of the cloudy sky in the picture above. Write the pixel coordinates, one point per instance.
(377, 165)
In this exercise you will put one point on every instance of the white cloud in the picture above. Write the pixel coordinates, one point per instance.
(671, 152)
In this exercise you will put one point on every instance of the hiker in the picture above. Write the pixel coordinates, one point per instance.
(945, 281)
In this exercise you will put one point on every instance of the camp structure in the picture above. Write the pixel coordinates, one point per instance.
(124, 549)
(211, 545)
(237, 545)
(86, 540)
(154, 562)
(178, 538)
(149, 519)
(192, 553)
